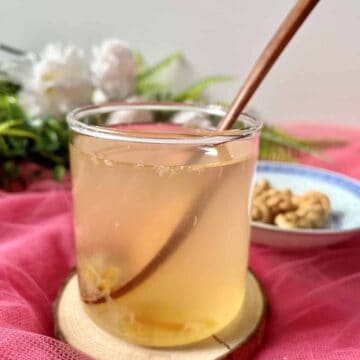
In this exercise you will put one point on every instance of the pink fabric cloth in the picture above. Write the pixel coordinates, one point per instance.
(314, 296)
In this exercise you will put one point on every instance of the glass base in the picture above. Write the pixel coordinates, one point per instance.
(75, 327)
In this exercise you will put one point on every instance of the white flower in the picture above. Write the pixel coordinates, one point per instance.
(133, 116)
(55, 82)
(113, 69)
(191, 119)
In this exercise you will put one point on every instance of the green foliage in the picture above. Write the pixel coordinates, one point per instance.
(276, 144)
(139, 62)
(146, 78)
(273, 139)
(313, 145)
(7, 87)
(44, 141)
(59, 172)
(269, 150)
(195, 91)
(9, 108)
(150, 88)
(159, 67)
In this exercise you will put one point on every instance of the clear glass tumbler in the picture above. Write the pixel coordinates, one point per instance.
(161, 213)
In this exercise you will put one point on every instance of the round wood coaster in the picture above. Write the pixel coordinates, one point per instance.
(239, 340)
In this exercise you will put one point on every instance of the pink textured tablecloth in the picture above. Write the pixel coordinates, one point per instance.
(314, 296)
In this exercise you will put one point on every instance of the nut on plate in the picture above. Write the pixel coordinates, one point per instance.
(260, 187)
(268, 202)
(261, 212)
(282, 208)
(312, 198)
(305, 218)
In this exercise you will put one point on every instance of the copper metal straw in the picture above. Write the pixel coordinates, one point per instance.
(271, 53)
(282, 37)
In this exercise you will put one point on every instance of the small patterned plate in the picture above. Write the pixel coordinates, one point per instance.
(344, 194)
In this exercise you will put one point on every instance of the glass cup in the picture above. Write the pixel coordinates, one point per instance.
(161, 214)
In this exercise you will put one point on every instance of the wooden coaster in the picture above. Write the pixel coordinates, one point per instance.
(239, 340)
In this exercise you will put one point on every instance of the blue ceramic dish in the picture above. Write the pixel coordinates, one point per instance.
(344, 195)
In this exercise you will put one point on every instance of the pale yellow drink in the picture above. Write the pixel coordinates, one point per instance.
(129, 198)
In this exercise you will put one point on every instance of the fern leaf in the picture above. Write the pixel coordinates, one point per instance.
(149, 87)
(4, 149)
(303, 144)
(276, 144)
(194, 91)
(159, 67)
(9, 123)
(289, 142)
(9, 108)
(19, 133)
(324, 143)
(139, 62)
(7, 87)
(269, 150)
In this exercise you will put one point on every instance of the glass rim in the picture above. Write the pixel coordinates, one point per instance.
(202, 138)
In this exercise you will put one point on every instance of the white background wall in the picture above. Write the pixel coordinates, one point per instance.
(318, 78)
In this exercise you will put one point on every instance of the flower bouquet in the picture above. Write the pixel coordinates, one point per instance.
(38, 90)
